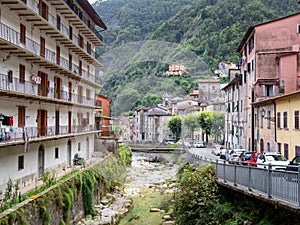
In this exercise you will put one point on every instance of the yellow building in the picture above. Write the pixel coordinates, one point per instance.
(287, 124)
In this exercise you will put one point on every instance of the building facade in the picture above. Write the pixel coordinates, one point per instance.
(102, 116)
(269, 67)
(47, 86)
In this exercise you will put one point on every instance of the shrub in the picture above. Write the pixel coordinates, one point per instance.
(125, 154)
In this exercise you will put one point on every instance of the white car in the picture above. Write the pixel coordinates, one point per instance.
(276, 160)
(198, 144)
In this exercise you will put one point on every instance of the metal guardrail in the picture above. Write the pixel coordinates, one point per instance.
(280, 184)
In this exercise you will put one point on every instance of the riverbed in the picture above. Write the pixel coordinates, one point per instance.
(150, 184)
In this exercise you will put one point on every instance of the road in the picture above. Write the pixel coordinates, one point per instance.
(204, 152)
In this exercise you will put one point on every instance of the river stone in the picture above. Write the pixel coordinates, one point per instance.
(168, 223)
(167, 217)
(154, 210)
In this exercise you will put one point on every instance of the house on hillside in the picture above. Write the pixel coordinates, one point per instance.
(176, 70)
(269, 67)
(47, 86)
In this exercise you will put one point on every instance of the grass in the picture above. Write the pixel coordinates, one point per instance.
(140, 213)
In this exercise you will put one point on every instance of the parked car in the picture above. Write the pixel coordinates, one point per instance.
(276, 160)
(199, 144)
(217, 150)
(293, 165)
(183, 144)
(249, 158)
(234, 154)
(223, 153)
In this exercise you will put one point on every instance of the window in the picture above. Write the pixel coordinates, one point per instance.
(278, 120)
(88, 47)
(298, 28)
(251, 44)
(80, 94)
(80, 41)
(79, 146)
(56, 153)
(268, 147)
(10, 76)
(21, 74)
(58, 22)
(70, 32)
(269, 90)
(22, 34)
(21, 162)
(286, 151)
(70, 62)
(88, 94)
(285, 125)
(57, 55)
(213, 88)
(296, 115)
(279, 147)
(43, 10)
(261, 120)
(21, 116)
(245, 76)
(269, 119)
(42, 50)
(80, 67)
(297, 150)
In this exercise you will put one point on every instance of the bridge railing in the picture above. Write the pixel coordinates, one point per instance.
(280, 184)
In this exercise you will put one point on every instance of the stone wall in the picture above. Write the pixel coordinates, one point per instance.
(65, 202)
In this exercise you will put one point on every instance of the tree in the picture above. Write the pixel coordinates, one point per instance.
(205, 123)
(218, 126)
(174, 124)
(191, 122)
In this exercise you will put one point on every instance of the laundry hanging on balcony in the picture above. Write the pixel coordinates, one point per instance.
(7, 120)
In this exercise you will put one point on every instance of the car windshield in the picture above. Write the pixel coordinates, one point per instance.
(248, 155)
(276, 158)
(296, 159)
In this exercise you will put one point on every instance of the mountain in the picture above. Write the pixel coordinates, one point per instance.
(145, 36)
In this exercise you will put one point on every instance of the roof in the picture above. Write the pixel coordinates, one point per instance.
(92, 13)
(251, 29)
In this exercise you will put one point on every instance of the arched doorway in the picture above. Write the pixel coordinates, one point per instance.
(87, 148)
(41, 161)
(69, 153)
(261, 145)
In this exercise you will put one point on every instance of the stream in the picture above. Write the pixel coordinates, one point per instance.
(148, 173)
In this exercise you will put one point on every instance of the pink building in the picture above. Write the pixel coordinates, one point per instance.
(269, 67)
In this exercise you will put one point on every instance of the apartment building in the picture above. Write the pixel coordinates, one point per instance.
(269, 67)
(47, 85)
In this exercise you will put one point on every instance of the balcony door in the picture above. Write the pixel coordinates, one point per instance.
(43, 84)
(57, 122)
(42, 122)
(58, 87)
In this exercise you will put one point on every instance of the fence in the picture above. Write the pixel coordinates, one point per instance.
(280, 184)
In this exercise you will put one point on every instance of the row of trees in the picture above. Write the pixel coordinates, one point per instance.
(211, 123)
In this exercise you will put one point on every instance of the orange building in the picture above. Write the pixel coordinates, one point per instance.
(102, 116)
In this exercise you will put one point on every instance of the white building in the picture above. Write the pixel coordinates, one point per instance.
(47, 85)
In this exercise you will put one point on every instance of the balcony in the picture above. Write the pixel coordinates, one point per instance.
(55, 29)
(31, 90)
(50, 132)
(31, 51)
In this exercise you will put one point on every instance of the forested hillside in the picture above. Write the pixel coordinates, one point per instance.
(145, 36)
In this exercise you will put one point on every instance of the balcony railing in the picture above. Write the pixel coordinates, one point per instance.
(34, 6)
(16, 134)
(31, 88)
(12, 36)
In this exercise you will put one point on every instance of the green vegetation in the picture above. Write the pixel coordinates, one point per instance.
(125, 154)
(145, 36)
(174, 124)
(140, 213)
(197, 200)
(101, 177)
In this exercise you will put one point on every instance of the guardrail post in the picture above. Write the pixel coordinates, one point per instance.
(249, 177)
(217, 167)
(224, 171)
(269, 179)
(298, 186)
(234, 178)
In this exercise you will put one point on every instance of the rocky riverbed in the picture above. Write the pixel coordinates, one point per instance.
(149, 175)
